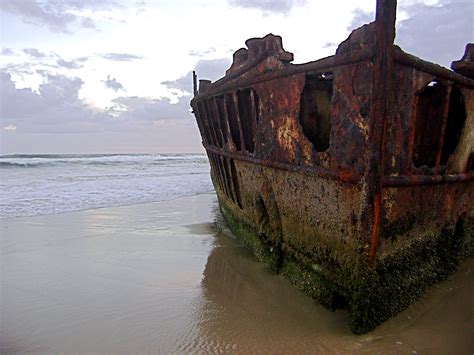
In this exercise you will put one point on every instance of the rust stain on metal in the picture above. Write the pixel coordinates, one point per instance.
(374, 237)
(357, 163)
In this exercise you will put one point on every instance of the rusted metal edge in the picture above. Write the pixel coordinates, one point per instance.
(387, 180)
(345, 177)
(380, 114)
(329, 63)
(195, 91)
(404, 58)
(240, 71)
(322, 65)
(417, 180)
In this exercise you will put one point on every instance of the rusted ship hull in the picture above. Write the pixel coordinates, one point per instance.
(352, 175)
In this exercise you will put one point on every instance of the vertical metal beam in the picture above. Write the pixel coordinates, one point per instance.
(200, 124)
(214, 110)
(210, 120)
(195, 90)
(379, 114)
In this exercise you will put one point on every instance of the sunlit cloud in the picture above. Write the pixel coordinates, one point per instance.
(10, 127)
(121, 57)
(270, 6)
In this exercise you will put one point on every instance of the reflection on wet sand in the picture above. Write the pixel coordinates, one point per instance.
(160, 278)
(246, 308)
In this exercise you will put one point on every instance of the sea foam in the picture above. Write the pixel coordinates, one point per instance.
(49, 184)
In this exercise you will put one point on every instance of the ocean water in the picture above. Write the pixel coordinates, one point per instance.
(50, 184)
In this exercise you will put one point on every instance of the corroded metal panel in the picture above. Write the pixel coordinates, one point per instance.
(348, 173)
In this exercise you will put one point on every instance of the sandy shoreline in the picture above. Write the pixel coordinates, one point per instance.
(159, 277)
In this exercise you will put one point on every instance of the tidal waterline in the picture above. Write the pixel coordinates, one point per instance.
(160, 277)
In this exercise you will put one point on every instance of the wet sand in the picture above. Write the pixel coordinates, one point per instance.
(160, 278)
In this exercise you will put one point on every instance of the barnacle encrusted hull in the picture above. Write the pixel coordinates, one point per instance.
(352, 175)
(330, 266)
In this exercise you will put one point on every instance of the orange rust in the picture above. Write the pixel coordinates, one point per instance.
(346, 176)
(374, 235)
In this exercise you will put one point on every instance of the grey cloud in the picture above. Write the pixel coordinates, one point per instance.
(201, 53)
(437, 33)
(205, 69)
(149, 109)
(43, 72)
(60, 90)
(69, 65)
(329, 45)
(212, 69)
(140, 6)
(113, 84)
(184, 83)
(360, 18)
(40, 61)
(120, 57)
(13, 100)
(19, 68)
(56, 15)
(33, 52)
(7, 51)
(39, 13)
(269, 6)
(56, 107)
(82, 59)
(87, 22)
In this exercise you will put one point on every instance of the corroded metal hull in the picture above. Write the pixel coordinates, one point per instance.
(351, 175)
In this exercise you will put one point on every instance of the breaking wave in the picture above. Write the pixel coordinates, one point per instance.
(51, 184)
(44, 160)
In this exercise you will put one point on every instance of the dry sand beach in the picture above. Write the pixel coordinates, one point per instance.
(161, 278)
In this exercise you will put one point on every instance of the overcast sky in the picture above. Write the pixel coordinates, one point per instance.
(109, 76)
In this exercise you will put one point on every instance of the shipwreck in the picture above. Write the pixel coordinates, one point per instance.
(351, 175)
